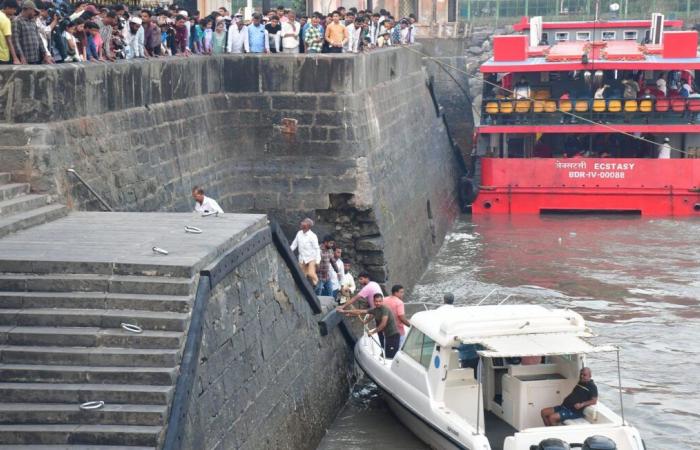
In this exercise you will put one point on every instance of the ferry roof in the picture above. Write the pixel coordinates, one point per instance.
(679, 51)
(508, 330)
(524, 24)
(540, 64)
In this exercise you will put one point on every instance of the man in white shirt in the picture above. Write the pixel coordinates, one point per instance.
(290, 34)
(354, 36)
(665, 150)
(337, 277)
(237, 37)
(309, 251)
(374, 29)
(347, 284)
(203, 204)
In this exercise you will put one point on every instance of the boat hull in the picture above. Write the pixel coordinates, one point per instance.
(648, 187)
(418, 427)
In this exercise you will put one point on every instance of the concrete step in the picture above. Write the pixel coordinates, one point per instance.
(34, 373)
(5, 177)
(22, 203)
(89, 337)
(61, 413)
(89, 356)
(34, 217)
(12, 190)
(120, 284)
(95, 300)
(80, 434)
(49, 317)
(72, 447)
(131, 394)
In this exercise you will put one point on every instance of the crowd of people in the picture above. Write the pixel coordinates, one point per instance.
(330, 275)
(43, 32)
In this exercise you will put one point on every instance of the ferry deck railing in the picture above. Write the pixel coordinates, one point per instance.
(673, 110)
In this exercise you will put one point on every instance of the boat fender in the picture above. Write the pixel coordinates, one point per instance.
(467, 192)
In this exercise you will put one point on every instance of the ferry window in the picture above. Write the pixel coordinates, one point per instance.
(419, 347)
(583, 35)
(561, 36)
(630, 36)
(609, 35)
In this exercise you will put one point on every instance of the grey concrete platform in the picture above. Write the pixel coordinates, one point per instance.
(121, 243)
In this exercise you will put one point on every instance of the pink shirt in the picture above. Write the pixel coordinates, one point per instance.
(395, 304)
(368, 291)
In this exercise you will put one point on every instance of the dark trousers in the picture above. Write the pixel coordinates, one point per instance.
(390, 344)
(335, 49)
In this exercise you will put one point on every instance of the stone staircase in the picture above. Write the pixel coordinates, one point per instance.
(19, 209)
(62, 344)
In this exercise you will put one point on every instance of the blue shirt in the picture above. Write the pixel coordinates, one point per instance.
(256, 38)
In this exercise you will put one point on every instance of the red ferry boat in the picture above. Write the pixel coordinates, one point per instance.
(600, 116)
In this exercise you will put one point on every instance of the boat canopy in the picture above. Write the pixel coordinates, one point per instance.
(537, 344)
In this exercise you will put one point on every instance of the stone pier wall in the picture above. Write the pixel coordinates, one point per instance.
(266, 379)
(351, 140)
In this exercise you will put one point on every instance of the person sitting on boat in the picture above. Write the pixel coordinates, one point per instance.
(389, 336)
(585, 394)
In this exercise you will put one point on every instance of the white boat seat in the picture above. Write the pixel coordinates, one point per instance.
(590, 415)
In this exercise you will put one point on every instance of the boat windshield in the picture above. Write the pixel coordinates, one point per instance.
(537, 344)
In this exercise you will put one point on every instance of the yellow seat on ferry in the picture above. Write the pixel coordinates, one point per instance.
(581, 106)
(614, 106)
(550, 106)
(522, 106)
(631, 106)
(538, 106)
(565, 105)
(506, 108)
(646, 106)
(599, 105)
(492, 108)
(541, 94)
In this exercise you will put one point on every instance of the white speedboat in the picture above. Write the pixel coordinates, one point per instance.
(529, 359)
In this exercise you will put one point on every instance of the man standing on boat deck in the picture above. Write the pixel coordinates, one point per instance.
(665, 150)
(585, 394)
(386, 328)
(369, 290)
(203, 204)
(309, 250)
(395, 304)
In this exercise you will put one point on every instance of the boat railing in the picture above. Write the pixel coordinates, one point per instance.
(583, 111)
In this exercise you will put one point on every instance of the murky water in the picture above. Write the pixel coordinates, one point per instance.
(636, 280)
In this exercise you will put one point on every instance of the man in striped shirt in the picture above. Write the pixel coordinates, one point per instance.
(312, 36)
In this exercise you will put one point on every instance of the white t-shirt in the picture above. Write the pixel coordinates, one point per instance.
(307, 243)
(290, 41)
(665, 151)
(208, 205)
(661, 85)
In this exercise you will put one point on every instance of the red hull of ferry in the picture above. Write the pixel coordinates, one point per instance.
(669, 187)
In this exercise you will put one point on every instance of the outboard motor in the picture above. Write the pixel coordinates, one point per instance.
(599, 443)
(551, 444)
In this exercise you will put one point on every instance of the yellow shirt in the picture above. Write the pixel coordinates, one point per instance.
(5, 33)
(335, 32)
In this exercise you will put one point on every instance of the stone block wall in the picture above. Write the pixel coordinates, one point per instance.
(266, 378)
(351, 140)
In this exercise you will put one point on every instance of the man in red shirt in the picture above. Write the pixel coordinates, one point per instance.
(395, 304)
